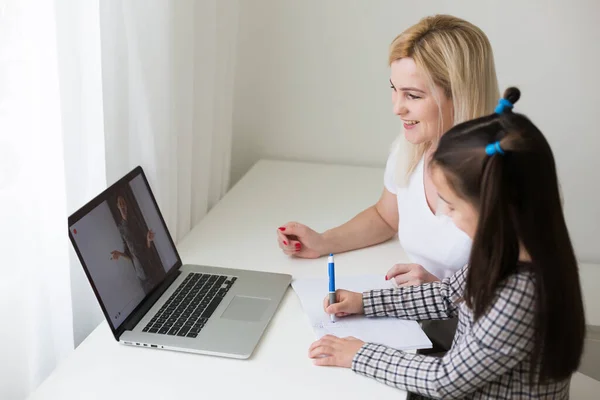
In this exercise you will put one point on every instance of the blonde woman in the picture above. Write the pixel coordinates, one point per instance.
(441, 73)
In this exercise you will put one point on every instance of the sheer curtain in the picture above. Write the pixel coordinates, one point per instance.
(88, 90)
(168, 84)
(36, 305)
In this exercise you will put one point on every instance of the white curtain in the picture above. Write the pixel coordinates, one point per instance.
(88, 90)
(168, 83)
(34, 272)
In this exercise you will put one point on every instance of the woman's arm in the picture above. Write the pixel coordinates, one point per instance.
(115, 254)
(374, 225)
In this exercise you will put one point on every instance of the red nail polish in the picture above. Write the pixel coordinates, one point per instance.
(297, 245)
(281, 228)
(284, 242)
(386, 278)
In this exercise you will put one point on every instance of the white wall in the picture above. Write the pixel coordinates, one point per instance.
(312, 84)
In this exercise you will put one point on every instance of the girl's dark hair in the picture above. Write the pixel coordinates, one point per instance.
(517, 195)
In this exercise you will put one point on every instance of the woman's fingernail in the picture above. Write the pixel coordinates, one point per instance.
(386, 278)
(284, 242)
(297, 245)
(282, 228)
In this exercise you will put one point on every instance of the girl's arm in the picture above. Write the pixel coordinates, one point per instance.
(436, 300)
(499, 341)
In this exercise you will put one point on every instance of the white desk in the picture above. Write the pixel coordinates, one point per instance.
(239, 232)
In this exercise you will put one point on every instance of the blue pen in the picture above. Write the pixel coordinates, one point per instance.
(331, 269)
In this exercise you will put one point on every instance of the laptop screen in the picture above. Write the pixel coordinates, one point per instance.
(123, 244)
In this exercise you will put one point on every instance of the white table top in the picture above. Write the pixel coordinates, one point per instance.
(240, 232)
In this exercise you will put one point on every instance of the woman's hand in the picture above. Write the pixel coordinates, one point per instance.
(410, 275)
(347, 303)
(333, 351)
(116, 254)
(299, 240)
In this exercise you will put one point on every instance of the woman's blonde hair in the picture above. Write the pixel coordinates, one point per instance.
(456, 56)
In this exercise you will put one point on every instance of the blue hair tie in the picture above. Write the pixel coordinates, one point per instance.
(503, 105)
(493, 148)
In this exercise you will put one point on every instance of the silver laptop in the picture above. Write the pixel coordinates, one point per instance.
(148, 297)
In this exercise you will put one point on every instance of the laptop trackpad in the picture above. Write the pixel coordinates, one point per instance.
(243, 308)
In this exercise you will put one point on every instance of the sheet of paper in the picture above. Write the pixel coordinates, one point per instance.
(393, 332)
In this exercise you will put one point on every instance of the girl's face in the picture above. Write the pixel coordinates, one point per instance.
(416, 105)
(462, 212)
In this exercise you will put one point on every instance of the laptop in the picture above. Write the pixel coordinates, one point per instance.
(148, 297)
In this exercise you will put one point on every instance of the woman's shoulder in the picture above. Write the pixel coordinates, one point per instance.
(390, 178)
(404, 168)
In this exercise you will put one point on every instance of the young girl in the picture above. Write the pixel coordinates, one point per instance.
(521, 322)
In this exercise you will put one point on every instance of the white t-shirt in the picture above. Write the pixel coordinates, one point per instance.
(429, 240)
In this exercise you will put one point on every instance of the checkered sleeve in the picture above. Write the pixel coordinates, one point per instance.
(499, 341)
(435, 300)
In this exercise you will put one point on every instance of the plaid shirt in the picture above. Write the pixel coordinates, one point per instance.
(489, 359)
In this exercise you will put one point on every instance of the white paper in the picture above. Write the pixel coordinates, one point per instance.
(393, 332)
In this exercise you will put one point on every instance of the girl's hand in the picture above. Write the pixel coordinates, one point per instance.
(335, 352)
(347, 303)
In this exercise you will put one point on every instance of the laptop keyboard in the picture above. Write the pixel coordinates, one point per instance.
(189, 307)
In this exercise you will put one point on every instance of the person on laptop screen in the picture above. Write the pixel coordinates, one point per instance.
(137, 244)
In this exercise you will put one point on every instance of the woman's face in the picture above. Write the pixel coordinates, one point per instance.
(416, 105)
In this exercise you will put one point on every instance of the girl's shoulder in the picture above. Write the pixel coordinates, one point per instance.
(521, 281)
